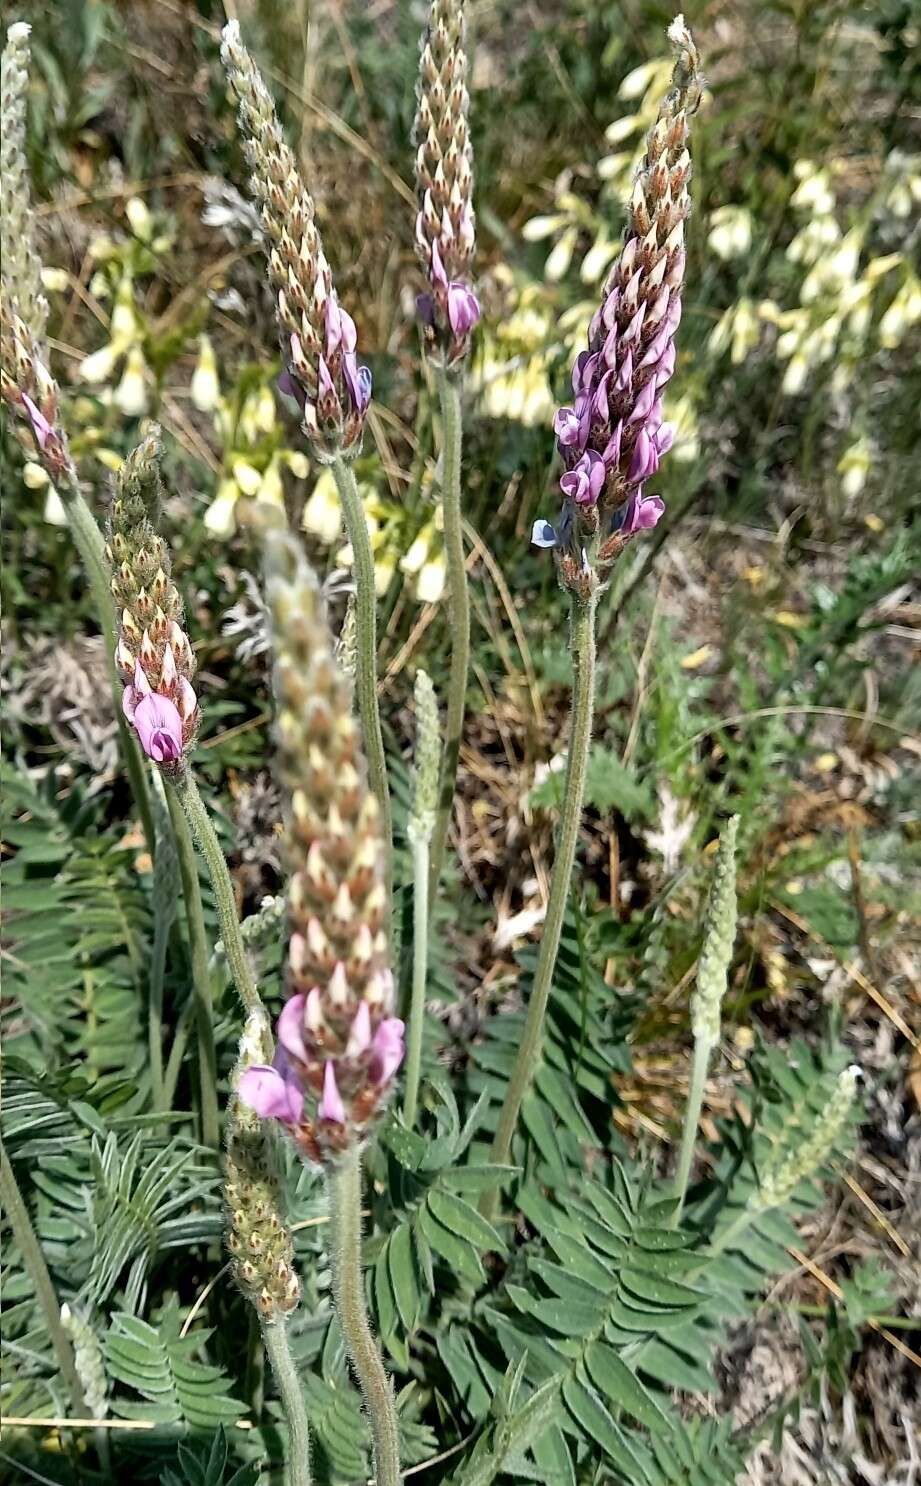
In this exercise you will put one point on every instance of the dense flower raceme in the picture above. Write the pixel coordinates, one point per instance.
(339, 1044)
(318, 338)
(445, 226)
(21, 265)
(154, 657)
(612, 438)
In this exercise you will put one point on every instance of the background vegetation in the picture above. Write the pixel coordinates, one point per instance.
(757, 655)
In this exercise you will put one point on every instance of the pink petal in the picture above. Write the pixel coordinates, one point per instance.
(331, 1106)
(387, 1049)
(270, 1095)
(290, 1027)
(159, 728)
(360, 1033)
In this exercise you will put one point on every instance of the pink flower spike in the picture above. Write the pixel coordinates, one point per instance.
(271, 1096)
(387, 1050)
(159, 728)
(290, 1027)
(331, 1106)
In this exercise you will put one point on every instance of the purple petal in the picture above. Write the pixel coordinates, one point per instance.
(387, 1050)
(331, 1106)
(611, 454)
(289, 386)
(159, 728)
(270, 1095)
(425, 309)
(438, 276)
(567, 427)
(357, 380)
(643, 405)
(645, 460)
(290, 1027)
(463, 308)
(665, 437)
(41, 428)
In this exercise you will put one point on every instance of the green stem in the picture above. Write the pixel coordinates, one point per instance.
(278, 1350)
(702, 1051)
(201, 982)
(345, 1214)
(176, 1053)
(90, 545)
(210, 848)
(458, 612)
(420, 856)
(366, 661)
(528, 1056)
(740, 1222)
(34, 1264)
(155, 1010)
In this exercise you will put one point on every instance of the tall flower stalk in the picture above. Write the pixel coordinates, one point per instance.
(27, 388)
(448, 311)
(322, 372)
(611, 441)
(339, 1044)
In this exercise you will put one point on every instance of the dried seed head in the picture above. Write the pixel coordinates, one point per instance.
(612, 439)
(340, 1045)
(445, 224)
(154, 656)
(317, 337)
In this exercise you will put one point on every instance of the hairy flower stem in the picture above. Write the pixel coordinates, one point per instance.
(201, 983)
(701, 1058)
(34, 1264)
(458, 612)
(366, 634)
(278, 1350)
(90, 545)
(420, 858)
(210, 848)
(155, 1011)
(344, 1182)
(526, 1062)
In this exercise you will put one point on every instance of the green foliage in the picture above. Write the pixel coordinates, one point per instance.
(160, 1364)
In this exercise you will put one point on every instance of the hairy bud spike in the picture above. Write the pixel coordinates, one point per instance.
(445, 224)
(428, 760)
(22, 268)
(317, 337)
(719, 937)
(340, 1045)
(261, 1249)
(795, 1158)
(154, 656)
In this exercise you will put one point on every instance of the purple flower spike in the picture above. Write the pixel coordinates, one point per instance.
(159, 728)
(585, 482)
(387, 1050)
(272, 1096)
(331, 1106)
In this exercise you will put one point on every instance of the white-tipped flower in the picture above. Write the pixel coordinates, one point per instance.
(719, 937)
